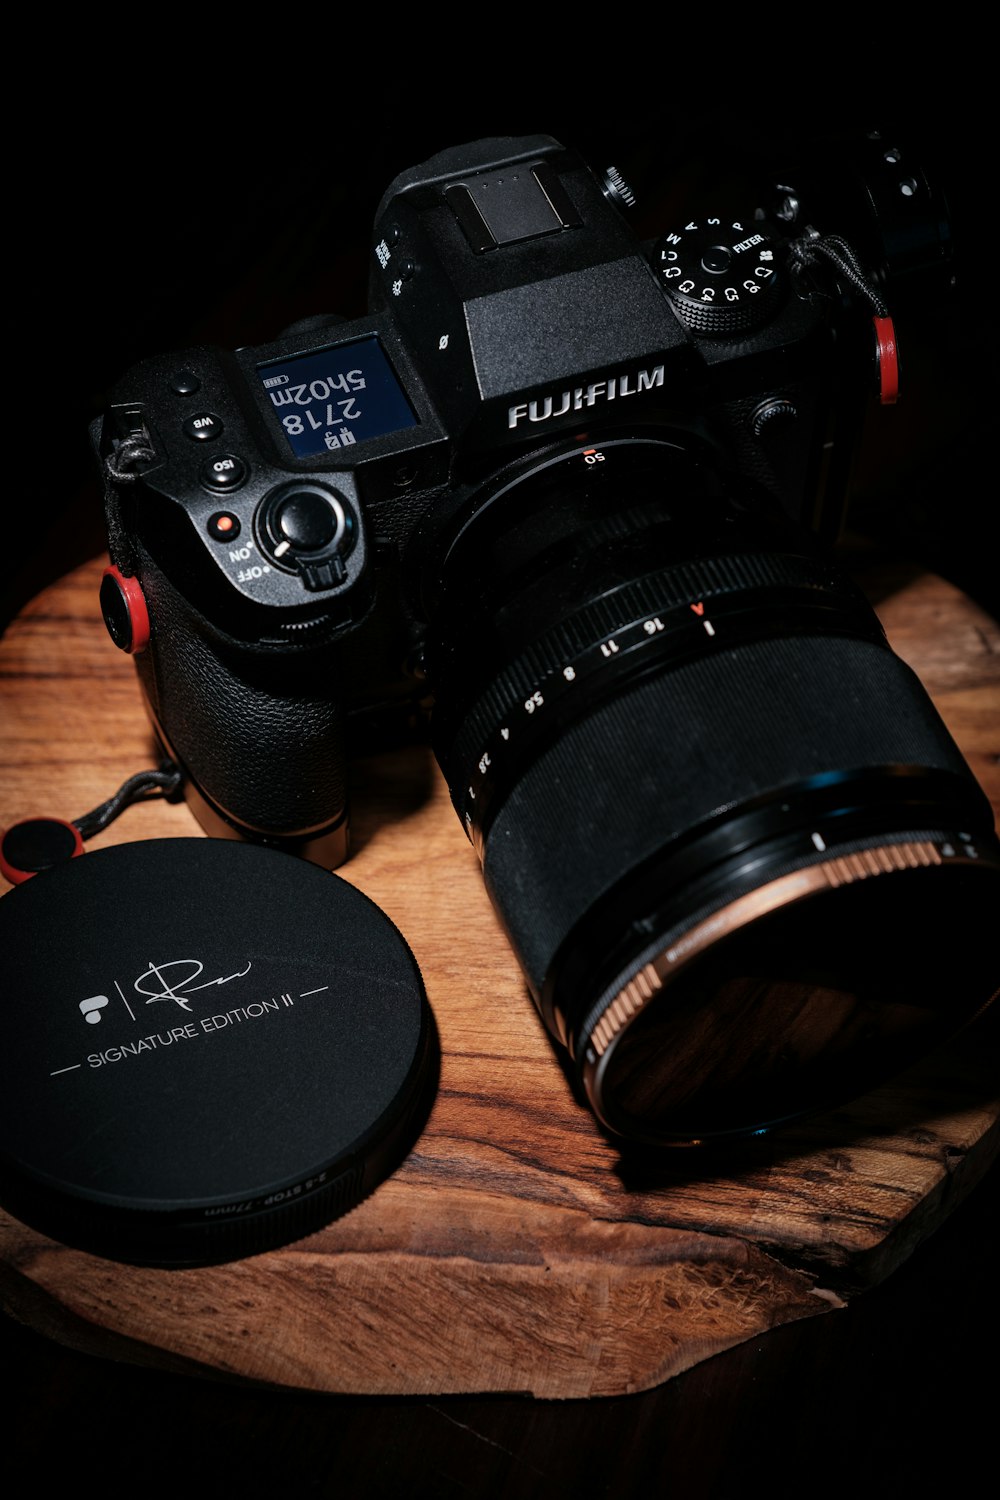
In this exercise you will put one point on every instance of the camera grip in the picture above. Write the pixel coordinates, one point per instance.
(258, 728)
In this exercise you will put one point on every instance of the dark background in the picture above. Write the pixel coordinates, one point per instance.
(213, 211)
(152, 223)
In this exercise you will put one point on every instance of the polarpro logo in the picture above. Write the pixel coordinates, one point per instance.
(168, 985)
(546, 408)
(178, 985)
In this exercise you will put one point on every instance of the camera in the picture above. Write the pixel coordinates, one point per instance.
(568, 494)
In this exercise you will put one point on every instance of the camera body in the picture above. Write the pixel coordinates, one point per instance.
(570, 489)
(288, 496)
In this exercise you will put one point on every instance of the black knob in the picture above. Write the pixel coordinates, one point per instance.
(302, 526)
(616, 189)
(722, 275)
(307, 520)
(770, 414)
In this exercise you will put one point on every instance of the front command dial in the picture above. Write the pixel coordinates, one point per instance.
(721, 275)
(308, 529)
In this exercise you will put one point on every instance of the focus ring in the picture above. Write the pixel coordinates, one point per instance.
(661, 758)
(755, 596)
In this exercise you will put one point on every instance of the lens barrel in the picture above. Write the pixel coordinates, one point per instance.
(745, 868)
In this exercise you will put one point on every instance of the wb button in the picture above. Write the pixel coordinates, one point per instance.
(203, 427)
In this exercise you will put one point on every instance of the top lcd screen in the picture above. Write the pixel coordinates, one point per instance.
(329, 400)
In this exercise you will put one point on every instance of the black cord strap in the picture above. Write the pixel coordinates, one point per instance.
(164, 782)
(119, 469)
(836, 252)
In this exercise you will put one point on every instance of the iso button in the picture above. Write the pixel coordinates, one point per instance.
(223, 473)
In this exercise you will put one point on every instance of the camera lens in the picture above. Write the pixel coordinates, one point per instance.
(745, 868)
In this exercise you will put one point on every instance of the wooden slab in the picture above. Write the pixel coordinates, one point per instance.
(513, 1251)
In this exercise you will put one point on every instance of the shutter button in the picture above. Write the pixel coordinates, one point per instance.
(307, 521)
(307, 529)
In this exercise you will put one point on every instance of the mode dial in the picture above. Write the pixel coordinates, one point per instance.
(721, 275)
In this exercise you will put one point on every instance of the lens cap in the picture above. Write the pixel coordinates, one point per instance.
(208, 1049)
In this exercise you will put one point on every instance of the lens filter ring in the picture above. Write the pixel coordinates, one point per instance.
(793, 995)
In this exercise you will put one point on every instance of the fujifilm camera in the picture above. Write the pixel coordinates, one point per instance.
(571, 494)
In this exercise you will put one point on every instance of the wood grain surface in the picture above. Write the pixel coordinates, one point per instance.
(514, 1250)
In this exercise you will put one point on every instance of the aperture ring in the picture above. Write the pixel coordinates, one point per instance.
(683, 584)
(523, 712)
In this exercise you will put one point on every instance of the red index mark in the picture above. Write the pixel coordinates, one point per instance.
(699, 610)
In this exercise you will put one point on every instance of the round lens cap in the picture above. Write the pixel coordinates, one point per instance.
(207, 1049)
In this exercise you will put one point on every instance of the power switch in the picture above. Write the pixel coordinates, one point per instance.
(307, 529)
